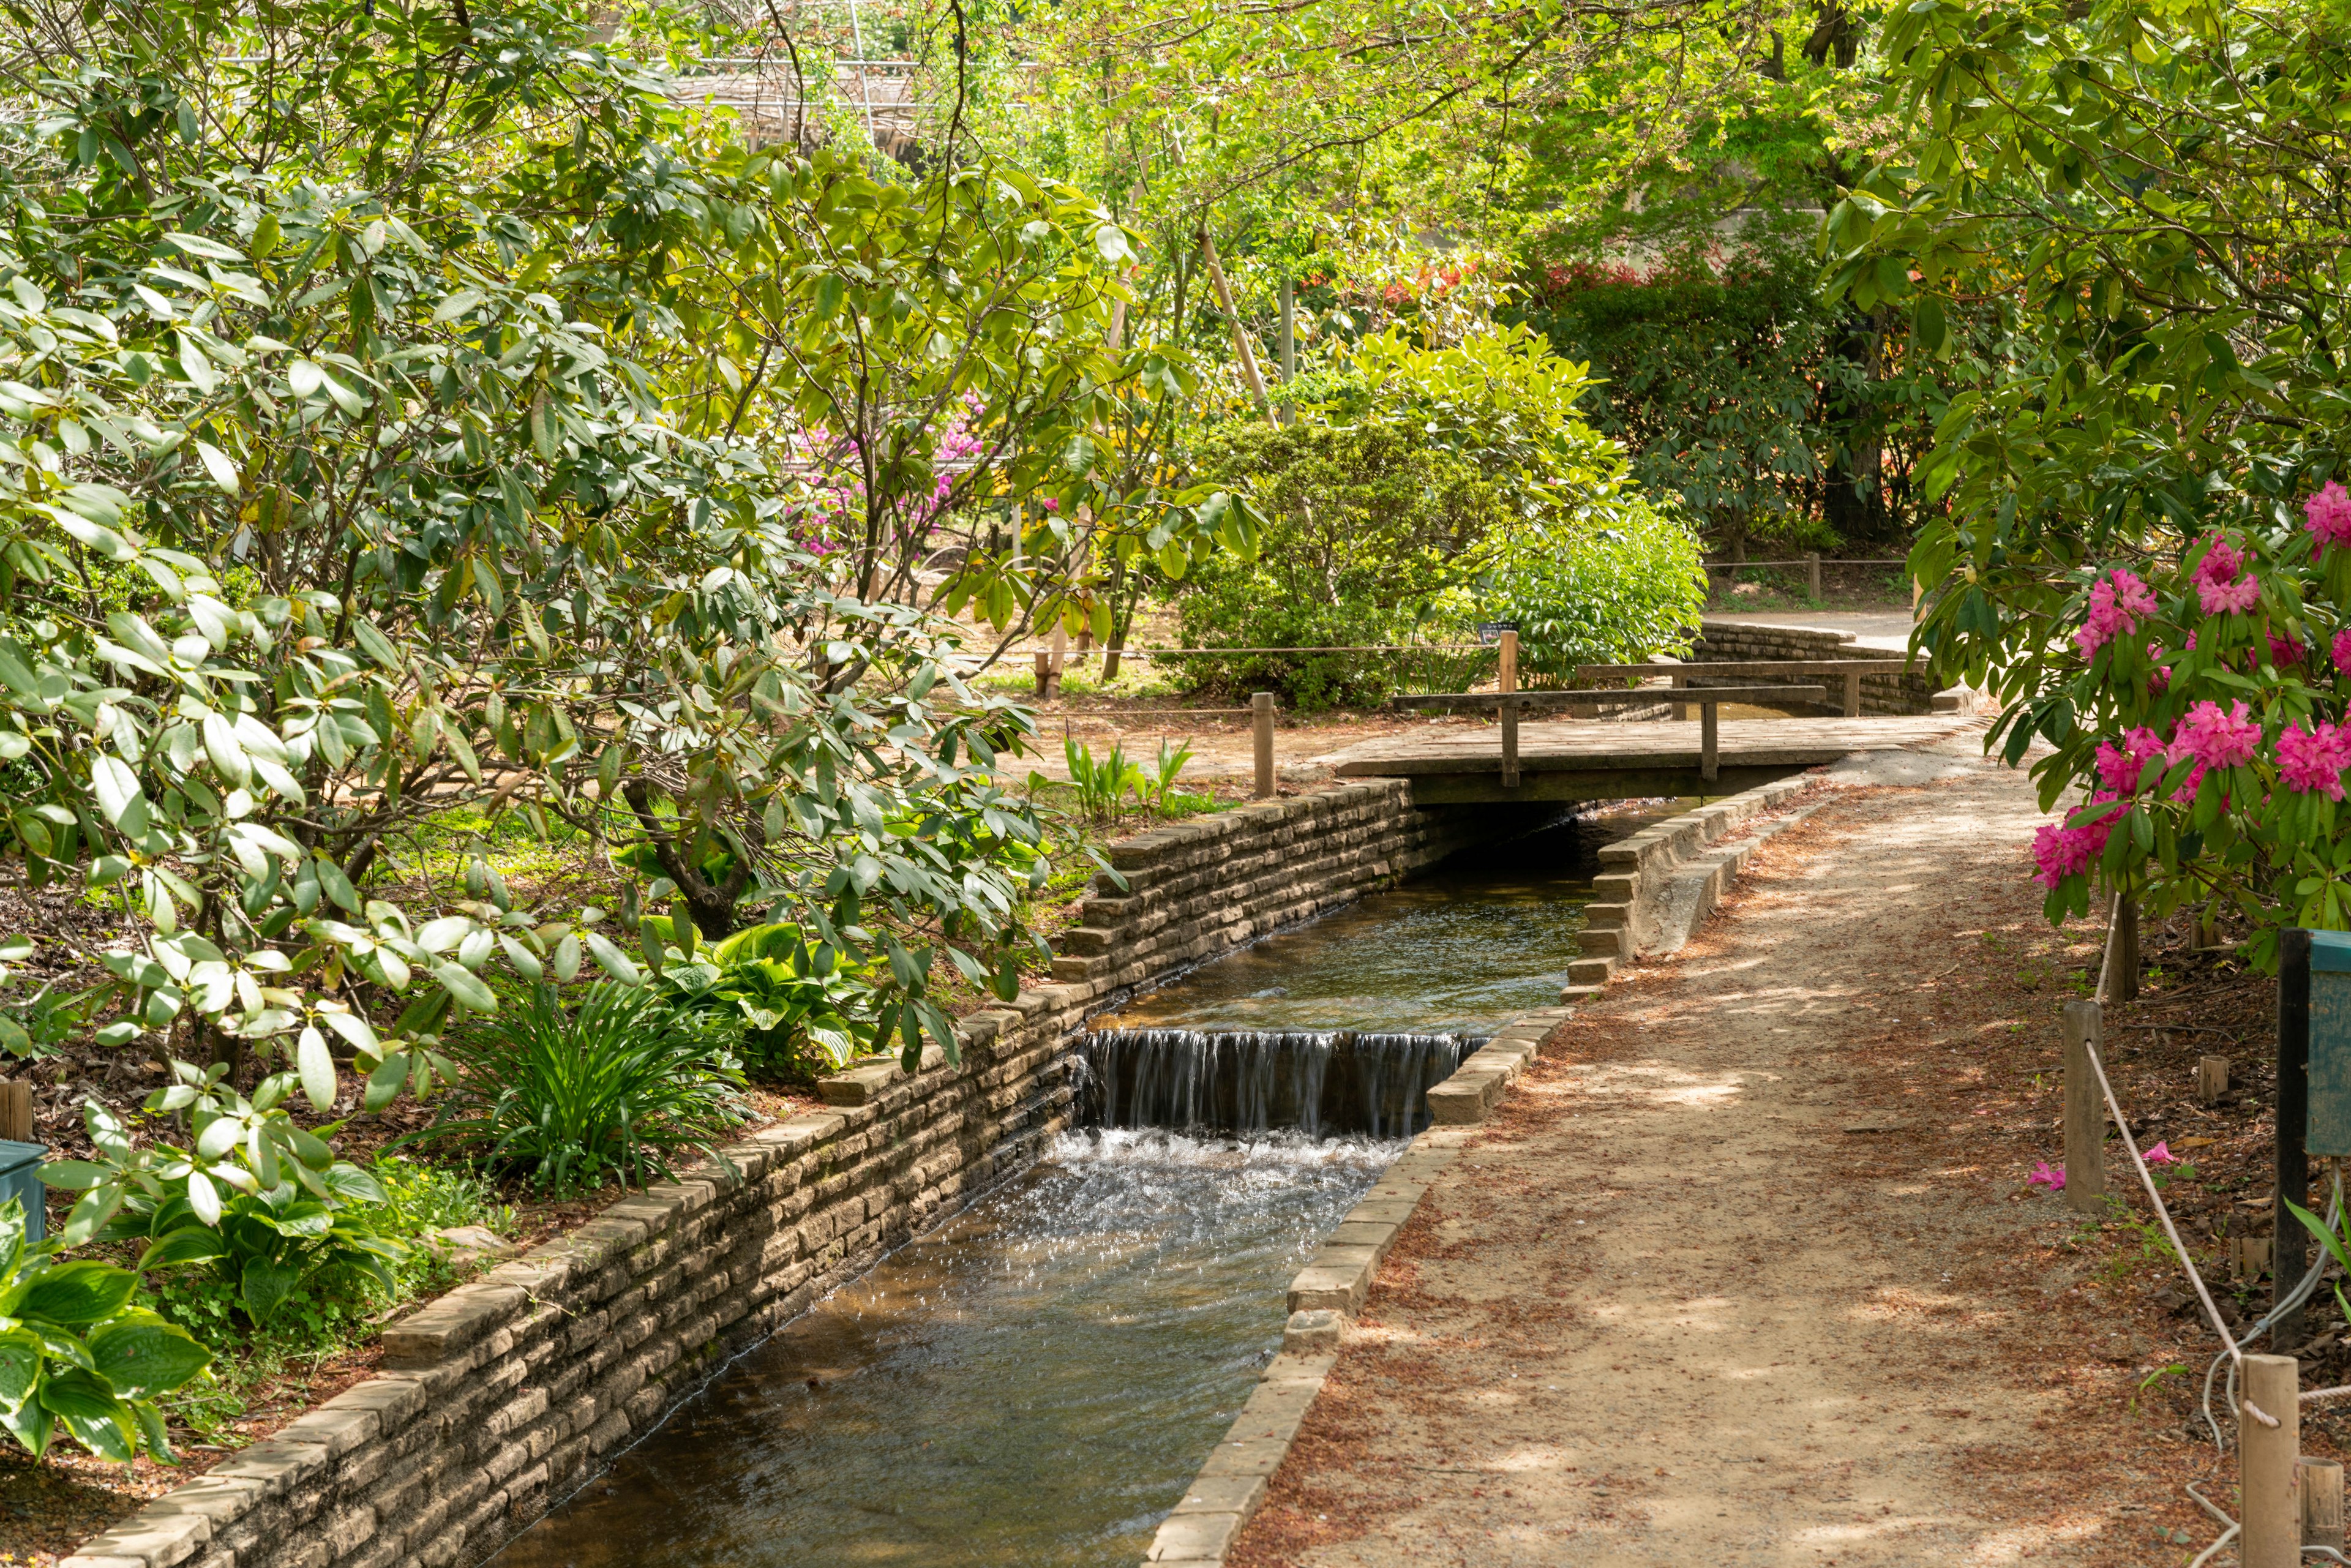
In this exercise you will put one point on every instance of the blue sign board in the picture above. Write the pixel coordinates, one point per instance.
(2330, 1043)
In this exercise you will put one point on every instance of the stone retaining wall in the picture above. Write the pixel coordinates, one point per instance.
(498, 1398)
(1903, 692)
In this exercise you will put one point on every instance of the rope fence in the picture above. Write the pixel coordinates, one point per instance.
(2085, 1029)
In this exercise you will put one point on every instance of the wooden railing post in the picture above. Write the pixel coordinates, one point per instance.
(2269, 1475)
(1261, 727)
(1853, 693)
(1508, 679)
(2119, 975)
(1509, 742)
(1813, 574)
(2086, 1113)
(1710, 740)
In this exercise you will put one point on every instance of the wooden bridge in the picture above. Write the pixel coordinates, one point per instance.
(1589, 759)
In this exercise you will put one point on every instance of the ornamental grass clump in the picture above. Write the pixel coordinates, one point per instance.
(567, 1101)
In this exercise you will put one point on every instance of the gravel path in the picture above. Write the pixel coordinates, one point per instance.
(1722, 1285)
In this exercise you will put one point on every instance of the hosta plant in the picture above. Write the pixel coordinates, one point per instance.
(77, 1354)
(799, 1006)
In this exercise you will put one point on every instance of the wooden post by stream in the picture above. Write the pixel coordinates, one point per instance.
(2322, 1503)
(2086, 1113)
(1813, 573)
(1508, 679)
(2118, 976)
(1261, 727)
(2268, 1455)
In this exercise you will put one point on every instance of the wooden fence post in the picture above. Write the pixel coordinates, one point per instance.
(16, 1111)
(2268, 1474)
(1709, 735)
(1813, 573)
(2118, 977)
(2322, 1503)
(1507, 680)
(1261, 724)
(1510, 744)
(2085, 1112)
(1853, 693)
(2211, 1080)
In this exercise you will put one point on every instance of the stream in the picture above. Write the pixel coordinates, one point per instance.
(1033, 1384)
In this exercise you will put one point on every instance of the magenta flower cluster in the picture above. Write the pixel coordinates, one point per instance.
(2311, 761)
(2118, 600)
(2219, 588)
(2311, 757)
(2329, 512)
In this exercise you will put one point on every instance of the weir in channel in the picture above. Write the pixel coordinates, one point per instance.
(1033, 1384)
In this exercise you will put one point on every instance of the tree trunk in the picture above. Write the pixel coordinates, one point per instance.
(1852, 498)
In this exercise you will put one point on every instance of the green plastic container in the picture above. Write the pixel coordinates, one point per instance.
(20, 1178)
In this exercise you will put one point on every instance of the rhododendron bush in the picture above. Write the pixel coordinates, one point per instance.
(2200, 720)
(2142, 545)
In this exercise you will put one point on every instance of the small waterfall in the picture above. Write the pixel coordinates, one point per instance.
(1246, 1081)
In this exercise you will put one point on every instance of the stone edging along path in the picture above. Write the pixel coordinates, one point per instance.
(1666, 877)
(497, 1398)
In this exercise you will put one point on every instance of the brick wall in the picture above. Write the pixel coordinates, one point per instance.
(501, 1398)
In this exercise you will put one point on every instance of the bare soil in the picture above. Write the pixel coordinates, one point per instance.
(1746, 1270)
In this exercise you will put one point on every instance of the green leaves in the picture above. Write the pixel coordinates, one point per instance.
(75, 1353)
(74, 1294)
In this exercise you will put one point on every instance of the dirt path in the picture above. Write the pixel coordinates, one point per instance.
(1737, 1277)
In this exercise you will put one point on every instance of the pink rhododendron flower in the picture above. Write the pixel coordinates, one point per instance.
(2221, 561)
(2160, 1155)
(2214, 738)
(2330, 516)
(2119, 766)
(2311, 761)
(2285, 650)
(2118, 601)
(2062, 850)
(2229, 597)
(2043, 1174)
(2340, 650)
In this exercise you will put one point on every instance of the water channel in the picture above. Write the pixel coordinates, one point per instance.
(1034, 1382)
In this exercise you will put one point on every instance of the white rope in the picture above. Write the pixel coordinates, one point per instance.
(2233, 1353)
(2179, 1247)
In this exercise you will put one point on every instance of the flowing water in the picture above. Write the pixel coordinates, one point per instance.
(1460, 949)
(1033, 1384)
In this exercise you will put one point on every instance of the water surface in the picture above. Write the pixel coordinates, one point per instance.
(1031, 1386)
(1460, 949)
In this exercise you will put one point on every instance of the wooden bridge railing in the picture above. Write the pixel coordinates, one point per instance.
(1851, 670)
(1707, 699)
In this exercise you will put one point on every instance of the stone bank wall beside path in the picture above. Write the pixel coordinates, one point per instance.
(1903, 692)
(498, 1398)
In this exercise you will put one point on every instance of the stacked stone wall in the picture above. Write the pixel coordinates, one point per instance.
(1903, 692)
(498, 1398)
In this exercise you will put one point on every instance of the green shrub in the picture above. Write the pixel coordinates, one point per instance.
(76, 1353)
(800, 1010)
(1430, 490)
(1614, 584)
(264, 1250)
(567, 1101)
(1366, 528)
